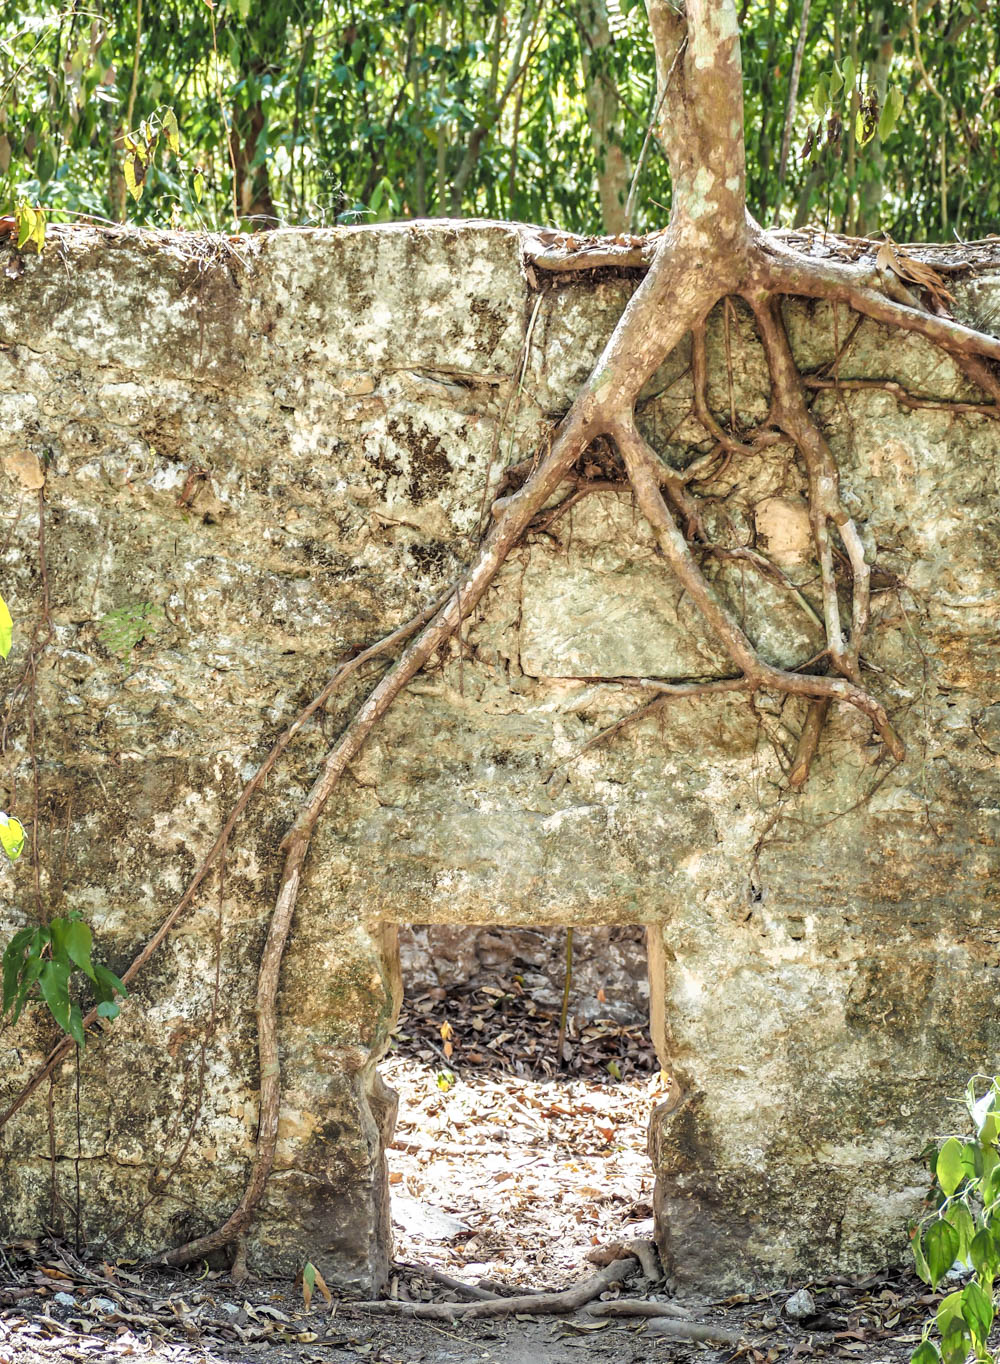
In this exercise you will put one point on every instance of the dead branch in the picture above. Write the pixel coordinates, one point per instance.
(533, 1304)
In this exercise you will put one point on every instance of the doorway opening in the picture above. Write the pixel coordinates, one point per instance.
(509, 1160)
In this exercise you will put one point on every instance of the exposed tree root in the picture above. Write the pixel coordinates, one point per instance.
(537, 1304)
(900, 394)
(701, 1332)
(798, 773)
(636, 1307)
(438, 1276)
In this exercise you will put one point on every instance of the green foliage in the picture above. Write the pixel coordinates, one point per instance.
(42, 960)
(125, 627)
(322, 113)
(964, 1231)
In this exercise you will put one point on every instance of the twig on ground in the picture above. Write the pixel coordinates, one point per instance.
(636, 1307)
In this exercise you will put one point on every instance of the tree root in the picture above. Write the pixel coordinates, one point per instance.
(536, 1304)
(641, 461)
(636, 1307)
(438, 1276)
(900, 394)
(696, 1331)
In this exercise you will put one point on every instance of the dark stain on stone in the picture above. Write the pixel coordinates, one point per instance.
(430, 468)
(490, 325)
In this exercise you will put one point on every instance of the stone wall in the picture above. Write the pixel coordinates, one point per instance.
(287, 444)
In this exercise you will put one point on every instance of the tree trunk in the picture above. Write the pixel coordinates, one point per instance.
(605, 115)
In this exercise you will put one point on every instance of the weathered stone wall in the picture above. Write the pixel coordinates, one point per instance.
(287, 445)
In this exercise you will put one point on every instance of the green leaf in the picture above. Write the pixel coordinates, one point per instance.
(108, 983)
(891, 110)
(961, 1219)
(983, 1253)
(955, 1345)
(919, 1258)
(29, 975)
(75, 1026)
(949, 1312)
(45, 165)
(925, 1353)
(198, 186)
(990, 1129)
(977, 1310)
(863, 134)
(54, 985)
(108, 1009)
(836, 81)
(821, 95)
(25, 217)
(133, 183)
(13, 963)
(949, 1169)
(308, 1282)
(940, 1249)
(850, 73)
(79, 942)
(11, 836)
(6, 629)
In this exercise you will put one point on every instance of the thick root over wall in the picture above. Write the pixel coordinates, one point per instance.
(710, 251)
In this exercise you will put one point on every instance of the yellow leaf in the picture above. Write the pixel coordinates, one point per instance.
(321, 1285)
(133, 185)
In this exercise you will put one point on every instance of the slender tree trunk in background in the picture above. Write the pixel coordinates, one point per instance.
(420, 155)
(253, 182)
(848, 222)
(605, 115)
(764, 144)
(793, 96)
(495, 101)
(873, 183)
(441, 167)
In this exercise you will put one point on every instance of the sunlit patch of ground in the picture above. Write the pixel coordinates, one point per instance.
(512, 1178)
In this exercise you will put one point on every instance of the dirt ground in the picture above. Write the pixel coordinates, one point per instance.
(507, 1171)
